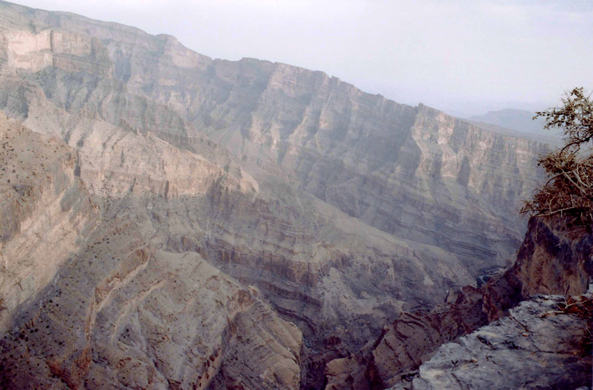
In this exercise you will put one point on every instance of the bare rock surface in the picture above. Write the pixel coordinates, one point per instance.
(153, 319)
(552, 259)
(303, 260)
(410, 171)
(110, 310)
(535, 347)
(414, 336)
(231, 224)
(45, 212)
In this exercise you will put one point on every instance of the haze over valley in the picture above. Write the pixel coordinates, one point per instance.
(173, 221)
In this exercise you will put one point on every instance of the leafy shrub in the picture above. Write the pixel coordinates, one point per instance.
(569, 190)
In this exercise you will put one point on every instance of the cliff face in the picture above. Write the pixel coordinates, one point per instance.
(551, 260)
(410, 171)
(535, 347)
(44, 215)
(89, 301)
(231, 200)
(319, 268)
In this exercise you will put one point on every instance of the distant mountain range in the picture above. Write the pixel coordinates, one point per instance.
(519, 120)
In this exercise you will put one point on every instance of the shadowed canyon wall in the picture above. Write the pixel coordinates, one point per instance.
(225, 211)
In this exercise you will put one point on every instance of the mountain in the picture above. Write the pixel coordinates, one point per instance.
(176, 221)
(504, 334)
(518, 120)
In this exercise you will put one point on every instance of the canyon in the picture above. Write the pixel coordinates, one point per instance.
(169, 220)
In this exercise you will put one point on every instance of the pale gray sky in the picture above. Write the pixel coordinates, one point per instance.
(465, 57)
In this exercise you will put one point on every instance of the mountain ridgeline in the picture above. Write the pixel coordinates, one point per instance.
(232, 224)
(409, 171)
(521, 121)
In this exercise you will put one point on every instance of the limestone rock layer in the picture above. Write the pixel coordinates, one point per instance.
(552, 260)
(534, 347)
(174, 221)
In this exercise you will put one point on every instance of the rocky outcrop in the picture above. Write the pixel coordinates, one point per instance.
(124, 314)
(237, 199)
(551, 260)
(410, 171)
(535, 347)
(412, 338)
(45, 212)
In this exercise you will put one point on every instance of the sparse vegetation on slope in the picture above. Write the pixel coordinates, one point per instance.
(569, 190)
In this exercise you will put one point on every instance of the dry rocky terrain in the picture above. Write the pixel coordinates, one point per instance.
(172, 221)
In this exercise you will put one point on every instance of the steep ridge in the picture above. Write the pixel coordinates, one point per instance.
(303, 254)
(552, 260)
(337, 207)
(120, 312)
(155, 319)
(536, 346)
(45, 212)
(413, 172)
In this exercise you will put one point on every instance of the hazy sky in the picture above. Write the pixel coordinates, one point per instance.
(462, 56)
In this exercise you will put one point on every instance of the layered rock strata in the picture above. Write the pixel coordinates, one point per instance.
(535, 347)
(318, 204)
(111, 310)
(551, 260)
(45, 212)
(410, 171)
(152, 319)
(320, 257)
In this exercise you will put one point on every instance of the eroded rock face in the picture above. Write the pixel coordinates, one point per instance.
(533, 348)
(304, 255)
(236, 199)
(410, 171)
(45, 212)
(90, 302)
(153, 319)
(552, 259)
(412, 338)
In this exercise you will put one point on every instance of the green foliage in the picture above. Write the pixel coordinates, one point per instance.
(575, 118)
(569, 190)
